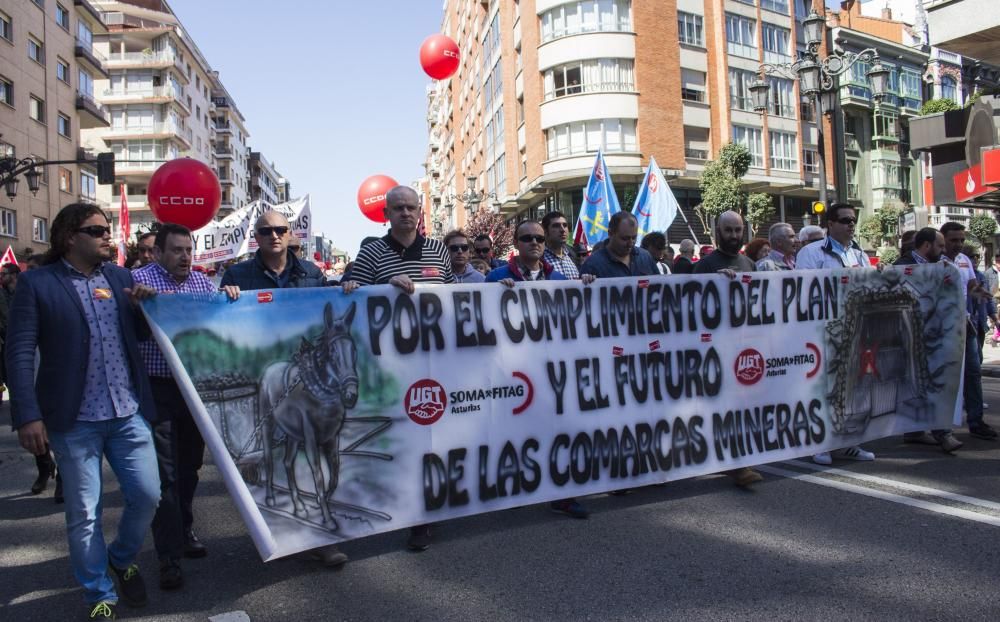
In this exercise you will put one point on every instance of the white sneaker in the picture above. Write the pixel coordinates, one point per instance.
(856, 453)
(823, 458)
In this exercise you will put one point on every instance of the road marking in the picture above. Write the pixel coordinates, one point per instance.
(232, 616)
(885, 496)
(924, 490)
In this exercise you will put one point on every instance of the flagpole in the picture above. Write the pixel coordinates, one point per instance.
(688, 223)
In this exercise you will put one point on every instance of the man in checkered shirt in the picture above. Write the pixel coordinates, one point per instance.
(179, 446)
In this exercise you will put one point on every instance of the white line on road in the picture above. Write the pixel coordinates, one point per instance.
(885, 496)
(924, 490)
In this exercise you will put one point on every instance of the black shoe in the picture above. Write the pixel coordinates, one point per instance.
(193, 548)
(171, 577)
(131, 587)
(983, 431)
(569, 507)
(104, 610)
(41, 483)
(58, 495)
(420, 538)
(329, 555)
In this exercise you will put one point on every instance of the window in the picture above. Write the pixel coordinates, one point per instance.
(909, 88)
(86, 85)
(65, 180)
(39, 229)
(7, 150)
(6, 28)
(784, 151)
(63, 125)
(741, 36)
(853, 190)
(36, 109)
(8, 222)
(62, 16)
(806, 110)
(62, 70)
(692, 85)
(781, 99)
(589, 76)
(6, 91)
(611, 135)
(586, 16)
(778, 6)
(776, 43)
(810, 161)
(885, 125)
(36, 51)
(88, 185)
(750, 138)
(948, 89)
(40, 3)
(739, 89)
(689, 29)
(802, 9)
(84, 36)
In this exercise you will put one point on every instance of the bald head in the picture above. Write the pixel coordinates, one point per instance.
(271, 218)
(398, 193)
(402, 207)
(729, 232)
(273, 234)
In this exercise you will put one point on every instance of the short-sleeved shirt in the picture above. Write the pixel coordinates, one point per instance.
(156, 277)
(604, 265)
(108, 392)
(718, 260)
(424, 261)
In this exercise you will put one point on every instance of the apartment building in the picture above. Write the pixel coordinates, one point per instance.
(266, 184)
(162, 98)
(544, 84)
(231, 150)
(48, 68)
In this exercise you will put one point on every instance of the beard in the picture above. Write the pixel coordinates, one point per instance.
(730, 247)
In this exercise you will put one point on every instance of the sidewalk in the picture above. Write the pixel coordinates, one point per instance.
(991, 360)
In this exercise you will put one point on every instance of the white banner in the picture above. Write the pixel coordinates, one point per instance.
(338, 416)
(233, 236)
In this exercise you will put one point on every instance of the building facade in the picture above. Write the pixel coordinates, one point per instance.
(231, 149)
(48, 70)
(544, 84)
(266, 184)
(163, 100)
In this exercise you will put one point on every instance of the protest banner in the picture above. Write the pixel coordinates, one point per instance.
(337, 416)
(233, 236)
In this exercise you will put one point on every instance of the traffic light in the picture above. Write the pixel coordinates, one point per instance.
(818, 208)
(106, 168)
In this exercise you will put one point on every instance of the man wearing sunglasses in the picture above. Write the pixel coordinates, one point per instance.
(458, 248)
(838, 250)
(91, 399)
(527, 265)
(274, 265)
(482, 246)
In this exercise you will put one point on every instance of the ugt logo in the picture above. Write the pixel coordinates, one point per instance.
(425, 401)
(749, 367)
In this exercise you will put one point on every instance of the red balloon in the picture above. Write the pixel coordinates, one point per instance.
(439, 56)
(185, 192)
(371, 196)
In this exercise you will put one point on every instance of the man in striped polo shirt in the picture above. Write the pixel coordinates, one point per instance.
(180, 448)
(402, 258)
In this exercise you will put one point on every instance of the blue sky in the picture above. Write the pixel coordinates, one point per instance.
(332, 92)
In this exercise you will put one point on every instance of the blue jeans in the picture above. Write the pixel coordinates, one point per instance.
(973, 381)
(127, 443)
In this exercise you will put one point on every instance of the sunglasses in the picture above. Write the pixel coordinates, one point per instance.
(483, 251)
(458, 248)
(847, 221)
(265, 232)
(527, 237)
(95, 231)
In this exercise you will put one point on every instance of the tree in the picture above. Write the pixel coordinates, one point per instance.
(722, 190)
(870, 230)
(888, 254)
(484, 220)
(939, 104)
(983, 227)
(888, 218)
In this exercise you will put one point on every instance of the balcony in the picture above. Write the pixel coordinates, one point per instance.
(224, 151)
(92, 114)
(142, 168)
(151, 131)
(154, 95)
(147, 60)
(851, 143)
(223, 129)
(85, 52)
(695, 154)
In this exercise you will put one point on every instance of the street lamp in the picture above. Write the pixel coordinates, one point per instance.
(471, 198)
(11, 187)
(33, 176)
(817, 78)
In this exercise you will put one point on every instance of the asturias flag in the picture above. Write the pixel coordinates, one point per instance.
(655, 206)
(599, 203)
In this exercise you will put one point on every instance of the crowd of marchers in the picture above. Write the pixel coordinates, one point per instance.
(88, 383)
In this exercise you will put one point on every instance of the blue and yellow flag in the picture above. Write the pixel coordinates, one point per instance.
(599, 203)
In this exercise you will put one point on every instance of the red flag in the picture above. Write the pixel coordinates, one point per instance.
(579, 237)
(421, 228)
(126, 229)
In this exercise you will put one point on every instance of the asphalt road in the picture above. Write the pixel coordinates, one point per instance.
(912, 536)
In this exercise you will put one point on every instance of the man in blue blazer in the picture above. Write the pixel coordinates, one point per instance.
(91, 399)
